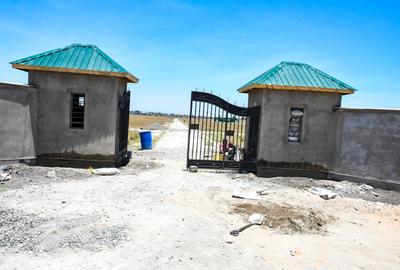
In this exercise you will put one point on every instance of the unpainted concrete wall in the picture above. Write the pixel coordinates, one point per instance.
(361, 145)
(368, 143)
(316, 146)
(18, 105)
(55, 137)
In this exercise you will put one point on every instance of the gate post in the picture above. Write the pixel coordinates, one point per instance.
(250, 159)
(189, 128)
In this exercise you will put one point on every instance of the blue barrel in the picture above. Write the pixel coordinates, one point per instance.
(146, 140)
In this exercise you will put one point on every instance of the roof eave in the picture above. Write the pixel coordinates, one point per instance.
(128, 76)
(250, 87)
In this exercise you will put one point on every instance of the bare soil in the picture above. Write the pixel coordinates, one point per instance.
(22, 175)
(157, 215)
(286, 219)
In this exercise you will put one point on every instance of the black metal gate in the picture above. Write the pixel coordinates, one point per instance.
(123, 128)
(221, 135)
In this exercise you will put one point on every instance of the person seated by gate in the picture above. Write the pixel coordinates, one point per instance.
(228, 149)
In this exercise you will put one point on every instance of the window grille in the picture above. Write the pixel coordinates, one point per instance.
(77, 111)
(295, 124)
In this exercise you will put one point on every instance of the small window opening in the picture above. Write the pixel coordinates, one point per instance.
(295, 124)
(77, 111)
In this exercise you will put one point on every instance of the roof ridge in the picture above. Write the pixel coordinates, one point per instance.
(94, 47)
(38, 55)
(112, 62)
(268, 72)
(107, 58)
(292, 63)
(276, 68)
(43, 54)
(330, 77)
(82, 44)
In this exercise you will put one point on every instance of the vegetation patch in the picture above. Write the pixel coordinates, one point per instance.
(142, 121)
(133, 137)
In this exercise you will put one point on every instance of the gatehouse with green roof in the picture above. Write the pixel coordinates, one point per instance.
(297, 103)
(304, 131)
(78, 106)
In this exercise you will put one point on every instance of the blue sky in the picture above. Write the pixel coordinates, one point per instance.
(177, 46)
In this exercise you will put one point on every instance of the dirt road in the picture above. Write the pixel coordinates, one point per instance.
(156, 215)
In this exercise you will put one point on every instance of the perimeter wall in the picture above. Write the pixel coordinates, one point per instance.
(368, 143)
(18, 107)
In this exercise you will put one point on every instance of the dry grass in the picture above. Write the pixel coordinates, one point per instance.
(208, 123)
(142, 121)
(133, 137)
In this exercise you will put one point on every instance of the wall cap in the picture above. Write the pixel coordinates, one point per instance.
(15, 85)
(372, 110)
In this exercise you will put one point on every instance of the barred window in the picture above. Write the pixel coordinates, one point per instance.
(77, 111)
(295, 124)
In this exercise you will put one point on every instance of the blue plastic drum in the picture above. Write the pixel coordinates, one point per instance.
(146, 140)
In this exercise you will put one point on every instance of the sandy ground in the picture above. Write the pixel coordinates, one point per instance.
(156, 215)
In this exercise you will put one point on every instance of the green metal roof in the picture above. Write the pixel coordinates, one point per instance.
(76, 58)
(297, 76)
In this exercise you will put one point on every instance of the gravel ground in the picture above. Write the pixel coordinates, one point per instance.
(343, 188)
(157, 215)
(25, 232)
(22, 175)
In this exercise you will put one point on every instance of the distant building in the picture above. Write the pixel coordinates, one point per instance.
(73, 111)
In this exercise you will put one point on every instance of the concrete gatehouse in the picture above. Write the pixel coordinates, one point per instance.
(74, 111)
(304, 131)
